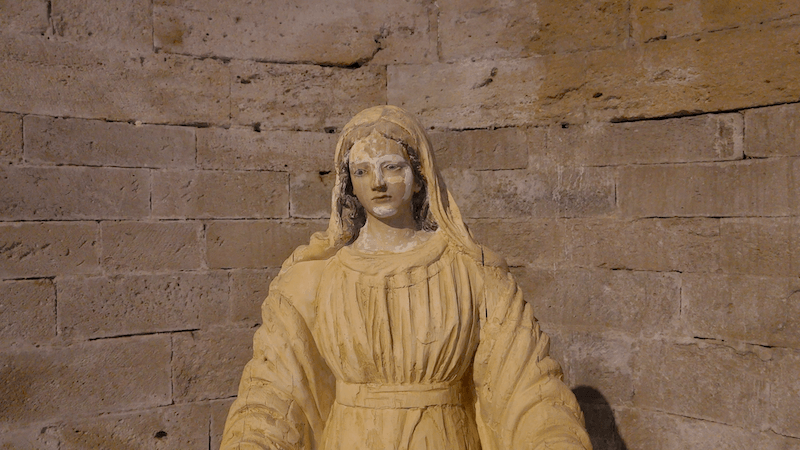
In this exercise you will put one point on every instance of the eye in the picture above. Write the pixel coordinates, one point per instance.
(359, 172)
(393, 166)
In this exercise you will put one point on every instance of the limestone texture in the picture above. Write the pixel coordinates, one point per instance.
(636, 164)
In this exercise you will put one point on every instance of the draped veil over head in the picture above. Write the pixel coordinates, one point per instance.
(442, 210)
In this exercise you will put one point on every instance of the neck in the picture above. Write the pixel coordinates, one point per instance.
(388, 236)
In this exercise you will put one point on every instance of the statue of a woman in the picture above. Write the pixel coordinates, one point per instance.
(394, 329)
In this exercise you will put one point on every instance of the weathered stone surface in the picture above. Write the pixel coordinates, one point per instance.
(134, 246)
(28, 193)
(255, 244)
(661, 79)
(27, 311)
(537, 243)
(249, 288)
(652, 430)
(100, 376)
(759, 310)
(110, 24)
(785, 391)
(713, 137)
(98, 307)
(479, 94)
(24, 17)
(170, 427)
(746, 188)
(504, 148)
(337, 32)
(246, 149)
(29, 437)
(758, 246)
(603, 361)
(538, 287)
(98, 143)
(536, 193)
(481, 29)
(664, 19)
(219, 413)
(772, 131)
(48, 249)
(311, 194)
(639, 303)
(10, 138)
(302, 97)
(683, 245)
(209, 364)
(733, 384)
(220, 194)
(61, 79)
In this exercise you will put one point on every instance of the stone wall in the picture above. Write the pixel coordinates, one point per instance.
(637, 162)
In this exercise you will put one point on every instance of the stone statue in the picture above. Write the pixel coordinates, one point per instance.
(394, 329)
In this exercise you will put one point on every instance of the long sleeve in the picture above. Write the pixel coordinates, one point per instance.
(522, 402)
(286, 390)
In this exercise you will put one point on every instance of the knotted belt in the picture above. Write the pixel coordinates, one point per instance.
(399, 396)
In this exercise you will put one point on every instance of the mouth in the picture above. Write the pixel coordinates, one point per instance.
(378, 198)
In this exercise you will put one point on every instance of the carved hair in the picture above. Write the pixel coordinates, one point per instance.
(351, 213)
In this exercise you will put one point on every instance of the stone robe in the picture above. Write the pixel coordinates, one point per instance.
(427, 349)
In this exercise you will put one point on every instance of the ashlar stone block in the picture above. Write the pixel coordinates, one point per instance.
(51, 140)
(513, 29)
(255, 244)
(96, 307)
(249, 288)
(656, 430)
(10, 138)
(209, 364)
(773, 131)
(664, 245)
(712, 137)
(637, 303)
(151, 246)
(753, 309)
(33, 249)
(734, 384)
(302, 97)
(115, 25)
(785, 393)
(746, 188)
(504, 148)
(664, 19)
(536, 193)
(310, 194)
(50, 78)
(101, 376)
(337, 32)
(36, 193)
(170, 427)
(536, 243)
(241, 148)
(758, 246)
(220, 194)
(24, 17)
(27, 311)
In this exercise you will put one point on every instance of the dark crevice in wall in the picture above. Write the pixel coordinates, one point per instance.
(149, 333)
(694, 113)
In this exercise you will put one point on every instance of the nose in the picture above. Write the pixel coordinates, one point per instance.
(378, 182)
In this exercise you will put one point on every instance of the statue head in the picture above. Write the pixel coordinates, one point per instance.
(377, 156)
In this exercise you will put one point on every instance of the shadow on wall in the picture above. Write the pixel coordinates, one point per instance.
(600, 422)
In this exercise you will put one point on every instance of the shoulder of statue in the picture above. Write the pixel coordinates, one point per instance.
(299, 282)
(489, 258)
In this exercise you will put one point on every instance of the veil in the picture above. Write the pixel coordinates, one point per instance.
(442, 207)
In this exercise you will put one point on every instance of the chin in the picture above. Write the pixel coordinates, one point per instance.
(384, 212)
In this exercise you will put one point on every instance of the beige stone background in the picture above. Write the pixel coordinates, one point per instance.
(636, 161)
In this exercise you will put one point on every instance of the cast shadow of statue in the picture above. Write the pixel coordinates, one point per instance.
(600, 422)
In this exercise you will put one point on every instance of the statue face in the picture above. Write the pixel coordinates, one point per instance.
(382, 178)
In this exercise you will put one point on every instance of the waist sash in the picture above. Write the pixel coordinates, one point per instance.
(399, 396)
